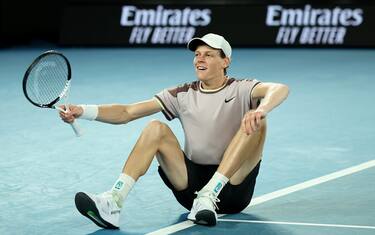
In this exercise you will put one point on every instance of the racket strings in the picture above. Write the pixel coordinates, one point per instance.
(48, 79)
(43, 82)
(57, 77)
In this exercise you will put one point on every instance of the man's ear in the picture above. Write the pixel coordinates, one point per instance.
(226, 62)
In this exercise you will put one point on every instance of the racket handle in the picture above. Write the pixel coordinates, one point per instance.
(77, 130)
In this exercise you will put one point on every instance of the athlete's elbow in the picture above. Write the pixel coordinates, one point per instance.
(125, 118)
(122, 115)
(283, 90)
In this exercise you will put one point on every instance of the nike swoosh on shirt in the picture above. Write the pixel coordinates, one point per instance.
(227, 100)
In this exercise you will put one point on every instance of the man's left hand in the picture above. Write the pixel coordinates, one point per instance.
(251, 122)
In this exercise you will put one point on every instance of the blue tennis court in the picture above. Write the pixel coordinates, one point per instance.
(317, 175)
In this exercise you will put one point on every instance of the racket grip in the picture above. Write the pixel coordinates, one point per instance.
(77, 130)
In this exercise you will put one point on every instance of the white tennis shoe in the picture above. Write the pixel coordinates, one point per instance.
(101, 209)
(203, 210)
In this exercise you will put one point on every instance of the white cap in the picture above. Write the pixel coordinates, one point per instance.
(212, 40)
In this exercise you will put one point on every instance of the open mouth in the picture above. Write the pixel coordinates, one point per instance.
(201, 68)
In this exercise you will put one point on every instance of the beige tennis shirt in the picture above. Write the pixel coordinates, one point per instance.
(209, 118)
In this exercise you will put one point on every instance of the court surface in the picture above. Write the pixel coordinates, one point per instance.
(317, 175)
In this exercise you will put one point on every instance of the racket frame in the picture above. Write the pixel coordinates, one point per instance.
(31, 67)
(64, 92)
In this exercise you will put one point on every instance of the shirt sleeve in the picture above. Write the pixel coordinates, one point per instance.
(169, 103)
(245, 89)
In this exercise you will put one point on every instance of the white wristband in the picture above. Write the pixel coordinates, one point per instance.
(90, 112)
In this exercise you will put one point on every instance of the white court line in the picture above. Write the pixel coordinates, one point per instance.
(311, 183)
(279, 193)
(298, 223)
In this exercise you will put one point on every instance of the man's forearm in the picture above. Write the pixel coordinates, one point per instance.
(121, 113)
(114, 114)
(274, 96)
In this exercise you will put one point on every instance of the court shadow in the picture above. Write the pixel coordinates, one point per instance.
(179, 219)
(244, 223)
(112, 232)
(182, 217)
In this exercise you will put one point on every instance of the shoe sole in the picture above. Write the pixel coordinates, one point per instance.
(86, 206)
(205, 217)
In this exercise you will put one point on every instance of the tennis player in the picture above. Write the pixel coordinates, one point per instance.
(224, 122)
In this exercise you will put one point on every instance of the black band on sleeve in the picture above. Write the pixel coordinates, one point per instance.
(168, 114)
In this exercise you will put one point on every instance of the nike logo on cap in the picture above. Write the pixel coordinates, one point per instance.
(227, 100)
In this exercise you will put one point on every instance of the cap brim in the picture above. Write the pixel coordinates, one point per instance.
(194, 42)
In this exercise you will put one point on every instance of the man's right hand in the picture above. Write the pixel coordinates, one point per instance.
(71, 113)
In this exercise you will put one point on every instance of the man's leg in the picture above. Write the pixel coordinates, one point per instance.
(156, 138)
(243, 154)
(240, 158)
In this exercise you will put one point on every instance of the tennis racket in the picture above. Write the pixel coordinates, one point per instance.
(47, 81)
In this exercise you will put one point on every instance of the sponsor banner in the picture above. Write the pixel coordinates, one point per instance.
(243, 25)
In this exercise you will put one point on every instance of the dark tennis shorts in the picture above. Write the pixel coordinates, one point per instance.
(233, 198)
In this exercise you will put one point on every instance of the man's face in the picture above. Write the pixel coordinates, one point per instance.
(208, 63)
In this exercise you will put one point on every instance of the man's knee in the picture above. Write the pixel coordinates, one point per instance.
(263, 128)
(156, 129)
(258, 134)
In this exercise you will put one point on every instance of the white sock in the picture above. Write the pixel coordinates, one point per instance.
(216, 183)
(121, 188)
